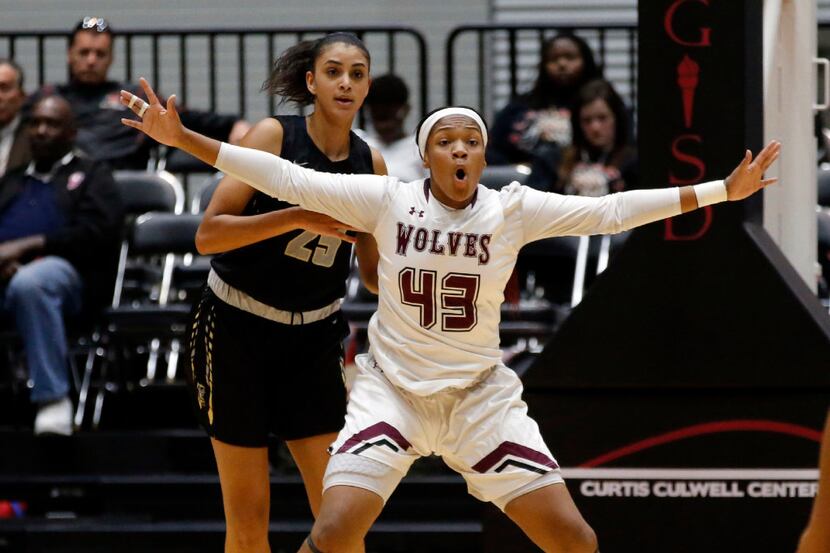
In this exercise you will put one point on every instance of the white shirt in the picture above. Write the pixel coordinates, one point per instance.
(6, 140)
(442, 271)
(401, 156)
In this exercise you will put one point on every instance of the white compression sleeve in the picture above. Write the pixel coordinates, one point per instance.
(353, 199)
(640, 207)
(258, 169)
(709, 193)
(546, 214)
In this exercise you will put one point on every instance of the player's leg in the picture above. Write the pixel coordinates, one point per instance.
(500, 452)
(311, 415)
(243, 475)
(371, 455)
(550, 519)
(346, 514)
(311, 455)
(227, 385)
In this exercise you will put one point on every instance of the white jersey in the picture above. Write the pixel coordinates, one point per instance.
(442, 271)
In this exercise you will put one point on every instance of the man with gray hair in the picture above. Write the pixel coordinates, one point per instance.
(14, 147)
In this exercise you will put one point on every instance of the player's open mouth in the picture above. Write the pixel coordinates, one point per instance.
(344, 101)
(460, 174)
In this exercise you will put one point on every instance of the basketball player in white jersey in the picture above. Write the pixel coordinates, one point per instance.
(433, 381)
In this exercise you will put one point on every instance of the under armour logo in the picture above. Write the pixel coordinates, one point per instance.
(413, 211)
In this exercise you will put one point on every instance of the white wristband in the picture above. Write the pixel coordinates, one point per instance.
(709, 193)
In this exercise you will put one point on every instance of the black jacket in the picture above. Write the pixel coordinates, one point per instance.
(102, 136)
(93, 214)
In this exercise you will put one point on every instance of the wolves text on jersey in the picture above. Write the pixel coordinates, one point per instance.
(468, 244)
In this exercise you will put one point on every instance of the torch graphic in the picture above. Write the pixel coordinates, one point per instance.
(688, 72)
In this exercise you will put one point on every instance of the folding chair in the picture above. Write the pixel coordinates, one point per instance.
(159, 319)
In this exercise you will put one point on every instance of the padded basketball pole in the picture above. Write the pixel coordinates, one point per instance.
(789, 94)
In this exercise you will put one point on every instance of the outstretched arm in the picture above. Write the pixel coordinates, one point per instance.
(356, 200)
(547, 215)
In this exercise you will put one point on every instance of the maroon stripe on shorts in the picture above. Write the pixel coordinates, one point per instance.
(515, 450)
(374, 431)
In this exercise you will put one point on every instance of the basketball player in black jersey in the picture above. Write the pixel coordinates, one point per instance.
(292, 387)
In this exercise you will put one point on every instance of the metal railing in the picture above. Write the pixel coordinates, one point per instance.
(205, 66)
(510, 52)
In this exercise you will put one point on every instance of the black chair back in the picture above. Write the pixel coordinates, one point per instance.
(162, 233)
(143, 191)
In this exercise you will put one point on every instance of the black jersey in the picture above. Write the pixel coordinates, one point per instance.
(298, 270)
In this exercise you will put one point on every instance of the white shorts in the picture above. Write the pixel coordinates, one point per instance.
(482, 432)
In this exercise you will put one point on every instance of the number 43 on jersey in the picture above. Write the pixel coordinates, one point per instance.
(454, 301)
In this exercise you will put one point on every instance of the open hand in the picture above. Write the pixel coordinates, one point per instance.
(159, 123)
(748, 177)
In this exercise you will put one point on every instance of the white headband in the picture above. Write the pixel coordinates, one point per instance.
(426, 126)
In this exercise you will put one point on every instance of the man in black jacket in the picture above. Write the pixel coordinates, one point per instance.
(95, 102)
(60, 228)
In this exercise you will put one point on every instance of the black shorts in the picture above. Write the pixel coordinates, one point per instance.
(251, 377)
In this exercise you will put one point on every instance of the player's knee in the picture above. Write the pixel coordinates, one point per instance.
(580, 538)
(333, 536)
(247, 522)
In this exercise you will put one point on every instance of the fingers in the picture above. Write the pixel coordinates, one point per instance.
(133, 124)
(148, 90)
(767, 182)
(768, 155)
(338, 231)
(343, 227)
(171, 103)
(134, 103)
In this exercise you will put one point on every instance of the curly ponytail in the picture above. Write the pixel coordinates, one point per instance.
(287, 78)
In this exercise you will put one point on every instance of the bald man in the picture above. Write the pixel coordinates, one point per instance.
(60, 226)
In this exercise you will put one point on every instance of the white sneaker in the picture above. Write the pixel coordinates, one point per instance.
(54, 418)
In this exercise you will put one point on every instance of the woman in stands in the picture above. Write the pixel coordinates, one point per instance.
(433, 381)
(535, 127)
(266, 342)
(601, 159)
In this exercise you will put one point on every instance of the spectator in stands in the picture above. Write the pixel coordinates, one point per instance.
(600, 159)
(14, 147)
(94, 100)
(388, 103)
(535, 127)
(60, 221)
